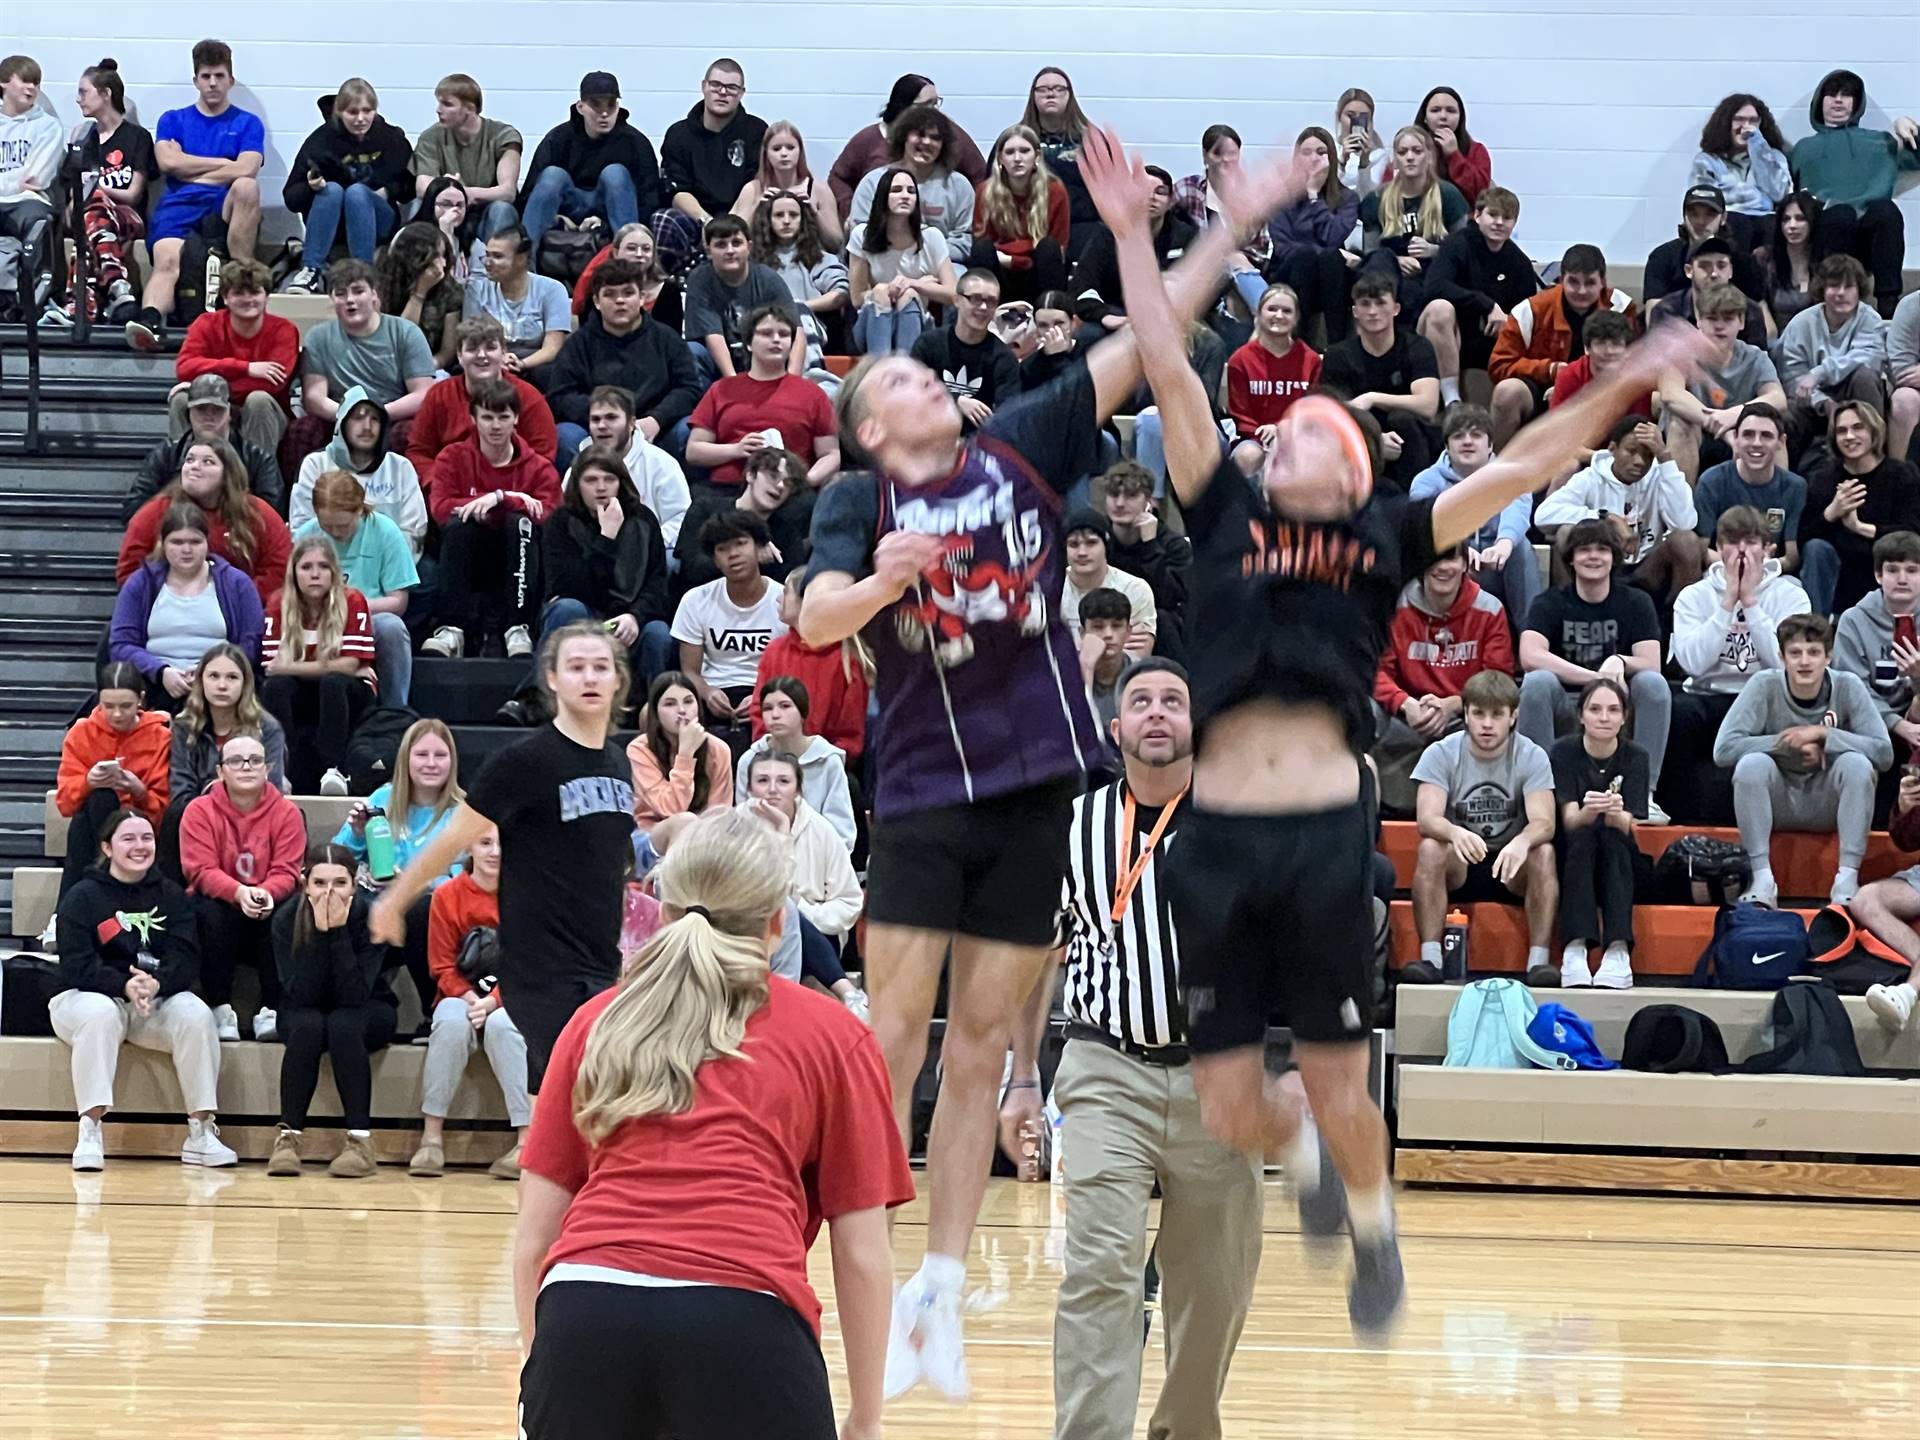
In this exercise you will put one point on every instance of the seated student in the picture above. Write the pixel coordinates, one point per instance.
(1099, 294)
(1903, 375)
(679, 767)
(1876, 639)
(1859, 494)
(898, 266)
(766, 405)
(375, 559)
(178, 605)
(1805, 743)
(1479, 277)
(1643, 497)
(1106, 624)
(353, 172)
(1088, 538)
(1544, 336)
(707, 156)
(1267, 374)
(783, 236)
(31, 150)
(1404, 223)
(1195, 196)
(784, 170)
(1787, 278)
(489, 495)
(824, 884)
(979, 370)
(1499, 555)
(118, 154)
(661, 295)
(1389, 372)
(114, 757)
(1022, 217)
(240, 848)
(480, 152)
(724, 625)
(317, 666)
(775, 479)
(872, 145)
(210, 153)
(1700, 411)
(1831, 352)
(1600, 780)
(337, 1005)
(389, 480)
(593, 166)
(206, 407)
(783, 705)
(416, 279)
(242, 529)
(657, 477)
(1606, 335)
(1307, 239)
(129, 953)
(1138, 546)
(1589, 629)
(444, 420)
(621, 345)
(1445, 631)
(1051, 343)
(1709, 266)
(220, 704)
(1852, 170)
(1462, 159)
(469, 1010)
(1888, 909)
(923, 141)
(1752, 477)
(1486, 819)
(834, 676)
(1703, 220)
(444, 206)
(254, 353)
(387, 356)
(534, 311)
(1742, 158)
(1360, 155)
(1723, 635)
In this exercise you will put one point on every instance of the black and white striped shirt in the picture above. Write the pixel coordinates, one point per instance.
(1125, 978)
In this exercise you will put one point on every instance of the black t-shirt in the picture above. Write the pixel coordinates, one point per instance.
(1587, 633)
(1350, 369)
(1296, 609)
(1575, 772)
(985, 371)
(565, 814)
(127, 153)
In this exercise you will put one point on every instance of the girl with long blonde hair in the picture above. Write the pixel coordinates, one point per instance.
(317, 659)
(1021, 218)
(1405, 221)
(650, 1223)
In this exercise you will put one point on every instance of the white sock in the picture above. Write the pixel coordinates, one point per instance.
(1302, 1158)
(1617, 953)
(359, 1134)
(942, 1274)
(1537, 955)
(1763, 877)
(1846, 875)
(1910, 988)
(1370, 1214)
(1430, 952)
(1575, 953)
(1449, 391)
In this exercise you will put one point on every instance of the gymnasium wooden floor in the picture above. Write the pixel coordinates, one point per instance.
(158, 1302)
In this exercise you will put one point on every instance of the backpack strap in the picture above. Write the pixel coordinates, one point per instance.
(1527, 1047)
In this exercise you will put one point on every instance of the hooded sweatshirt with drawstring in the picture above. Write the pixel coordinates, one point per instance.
(1657, 504)
(1863, 646)
(1435, 652)
(223, 848)
(584, 156)
(1848, 164)
(1510, 524)
(1720, 653)
(392, 484)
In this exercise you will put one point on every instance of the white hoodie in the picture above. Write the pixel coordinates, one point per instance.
(1720, 653)
(825, 886)
(662, 485)
(1659, 503)
(30, 149)
(823, 781)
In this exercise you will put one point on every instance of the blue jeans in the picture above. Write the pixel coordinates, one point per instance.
(1820, 574)
(882, 333)
(656, 649)
(498, 215)
(392, 657)
(369, 220)
(554, 194)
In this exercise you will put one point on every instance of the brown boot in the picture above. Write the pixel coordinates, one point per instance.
(507, 1167)
(285, 1159)
(355, 1160)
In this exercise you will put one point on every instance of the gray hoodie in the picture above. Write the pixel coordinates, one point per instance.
(1808, 346)
(1862, 646)
(1903, 336)
(1766, 707)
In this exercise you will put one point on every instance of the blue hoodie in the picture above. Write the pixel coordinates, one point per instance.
(1510, 524)
(1846, 164)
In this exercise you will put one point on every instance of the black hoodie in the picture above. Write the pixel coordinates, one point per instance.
(1666, 269)
(162, 464)
(105, 925)
(383, 160)
(651, 361)
(336, 969)
(584, 156)
(1468, 273)
(626, 575)
(711, 165)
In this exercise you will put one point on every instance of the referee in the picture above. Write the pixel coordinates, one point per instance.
(1130, 1114)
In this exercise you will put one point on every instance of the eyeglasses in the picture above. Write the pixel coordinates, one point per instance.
(966, 299)
(245, 762)
(722, 87)
(1052, 91)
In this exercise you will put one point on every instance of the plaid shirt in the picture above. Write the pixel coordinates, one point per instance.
(1190, 199)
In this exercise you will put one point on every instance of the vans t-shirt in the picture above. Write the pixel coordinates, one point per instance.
(731, 637)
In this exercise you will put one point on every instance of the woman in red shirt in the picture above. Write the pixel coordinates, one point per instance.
(1267, 374)
(1021, 219)
(316, 666)
(242, 529)
(697, 1124)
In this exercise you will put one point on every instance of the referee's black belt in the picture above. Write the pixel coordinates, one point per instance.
(1166, 1055)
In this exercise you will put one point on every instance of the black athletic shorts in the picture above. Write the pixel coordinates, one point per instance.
(993, 869)
(1275, 915)
(1480, 883)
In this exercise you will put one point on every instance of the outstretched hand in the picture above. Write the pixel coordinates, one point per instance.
(1119, 183)
(1250, 196)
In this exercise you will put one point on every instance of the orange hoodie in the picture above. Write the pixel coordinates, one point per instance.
(222, 849)
(1537, 336)
(144, 751)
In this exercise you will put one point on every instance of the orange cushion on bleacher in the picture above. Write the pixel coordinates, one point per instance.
(839, 364)
(1668, 939)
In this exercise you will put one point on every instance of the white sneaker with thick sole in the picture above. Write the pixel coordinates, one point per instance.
(903, 1361)
(856, 1001)
(266, 1024)
(519, 642)
(1892, 1005)
(1762, 892)
(204, 1146)
(448, 642)
(1846, 885)
(50, 937)
(1655, 815)
(334, 783)
(226, 1024)
(1574, 971)
(933, 1332)
(1615, 971)
(90, 1149)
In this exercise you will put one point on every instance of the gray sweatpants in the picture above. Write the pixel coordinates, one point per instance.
(1547, 712)
(1838, 798)
(450, 1045)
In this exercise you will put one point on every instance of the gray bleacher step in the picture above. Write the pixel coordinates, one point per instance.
(22, 844)
(106, 348)
(75, 540)
(66, 509)
(93, 448)
(92, 604)
(40, 633)
(44, 669)
(53, 569)
(59, 700)
(27, 768)
(75, 415)
(30, 737)
(65, 474)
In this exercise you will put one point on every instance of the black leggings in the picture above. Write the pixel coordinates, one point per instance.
(318, 715)
(678, 1371)
(167, 842)
(1322, 281)
(226, 938)
(83, 835)
(489, 575)
(819, 956)
(1875, 235)
(412, 954)
(1597, 865)
(348, 1036)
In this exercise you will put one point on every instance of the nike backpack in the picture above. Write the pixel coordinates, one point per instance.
(1811, 1034)
(1753, 948)
(1850, 957)
(1558, 1029)
(1487, 1030)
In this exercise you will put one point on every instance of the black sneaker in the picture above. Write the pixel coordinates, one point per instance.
(1378, 1289)
(1419, 972)
(1323, 1210)
(146, 330)
(518, 711)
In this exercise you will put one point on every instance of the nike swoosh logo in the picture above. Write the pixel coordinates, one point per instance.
(1762, 959)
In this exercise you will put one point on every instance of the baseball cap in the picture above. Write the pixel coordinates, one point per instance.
(209, 390)
(1712, 245)
(1707, 195)
(600, 85)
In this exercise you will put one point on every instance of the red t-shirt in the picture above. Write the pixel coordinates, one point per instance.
(1261, 385)
(733, 1191)
(740, 405)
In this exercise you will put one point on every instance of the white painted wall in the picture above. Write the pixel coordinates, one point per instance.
(1595, 138)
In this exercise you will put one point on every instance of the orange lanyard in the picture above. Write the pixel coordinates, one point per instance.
(1123, 890)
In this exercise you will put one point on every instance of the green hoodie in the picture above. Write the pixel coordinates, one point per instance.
(1845, 164)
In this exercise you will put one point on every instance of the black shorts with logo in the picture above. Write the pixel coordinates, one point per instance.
(1275, 915)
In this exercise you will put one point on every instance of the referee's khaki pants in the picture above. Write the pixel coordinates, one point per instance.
(1126, 1125)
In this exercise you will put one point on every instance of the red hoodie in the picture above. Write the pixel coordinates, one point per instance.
(836, 692)
(444, 419)
(462, 473)
(212, 347)
(1431, 654)
(221, 849)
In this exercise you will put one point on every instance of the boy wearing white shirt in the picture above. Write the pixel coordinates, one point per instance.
(31, 144)
(1641, 492)
(656, 474)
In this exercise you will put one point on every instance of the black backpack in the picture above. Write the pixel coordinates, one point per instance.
(1700, 870)
(1811, 1035)
(1673, 1040)
(1849, 957)
(375, 744)
(27, 984)
(199, 253)
(564, 253)
(478, 962)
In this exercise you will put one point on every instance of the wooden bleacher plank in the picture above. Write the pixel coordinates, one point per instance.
(1688, 1174)
(1668, 939)
(160, 1140)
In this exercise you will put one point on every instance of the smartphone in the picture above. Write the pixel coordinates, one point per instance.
(1910, 772)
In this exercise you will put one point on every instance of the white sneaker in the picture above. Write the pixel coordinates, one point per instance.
(447, 642)
(1655, 815)
(334, 783)
(1762, 892)
(1616, 970)
(519, 642)
(266, 1024)
(50, 937)
(1846, 885)
(1892, 1006)
(1574, 972)
(903, 1361)
(856, 1001)
(90, 1150)
(926, 1335)
(204, 1146)
(226, 1024)
(304, 281)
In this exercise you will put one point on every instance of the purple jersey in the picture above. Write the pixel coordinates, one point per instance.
(977, 679)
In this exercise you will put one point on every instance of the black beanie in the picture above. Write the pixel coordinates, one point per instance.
(1089, 519)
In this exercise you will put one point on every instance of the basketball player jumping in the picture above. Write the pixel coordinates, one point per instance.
(1294, 585)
